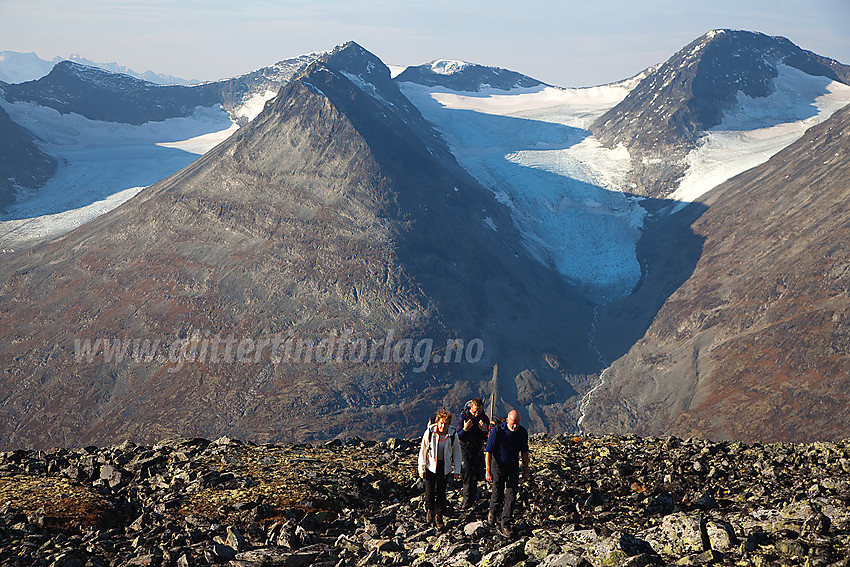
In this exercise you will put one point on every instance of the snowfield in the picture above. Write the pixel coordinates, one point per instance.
(101, 165)
(757, 128)
(566, 193)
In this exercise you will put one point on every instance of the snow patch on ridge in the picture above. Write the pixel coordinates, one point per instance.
(367, 87)
(252, 106)
(448, 66)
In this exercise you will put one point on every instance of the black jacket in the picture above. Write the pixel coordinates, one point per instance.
(474, 437)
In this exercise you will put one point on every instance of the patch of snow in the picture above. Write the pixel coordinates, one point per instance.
(367, 87)
(489, 222)
(581, 106)
(251, 107)
(758, 128)
(313, 88)
(448, 66)
(20, 231)
(396, 70)
(101, 164)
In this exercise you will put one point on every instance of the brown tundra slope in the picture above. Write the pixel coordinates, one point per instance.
(755, 344)
(337, 210)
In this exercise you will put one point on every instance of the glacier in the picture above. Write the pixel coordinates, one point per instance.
(566, 192)
(101, 165)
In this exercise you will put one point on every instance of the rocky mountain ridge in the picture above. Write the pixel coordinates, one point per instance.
(592, 501)
(666, 114)
(102, 95)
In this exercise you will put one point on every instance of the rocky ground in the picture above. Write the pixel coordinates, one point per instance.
(592, 501)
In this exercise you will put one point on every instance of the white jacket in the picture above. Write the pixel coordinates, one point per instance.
(428, 451)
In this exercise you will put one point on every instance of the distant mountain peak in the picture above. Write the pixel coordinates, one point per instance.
(464, 76)
(93, 74)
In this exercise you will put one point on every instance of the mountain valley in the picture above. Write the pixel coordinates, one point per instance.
(659, 255)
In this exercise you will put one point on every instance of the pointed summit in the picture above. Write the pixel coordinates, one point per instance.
(665, 116)
(335, 216)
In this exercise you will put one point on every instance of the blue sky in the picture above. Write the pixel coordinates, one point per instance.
(561, 42)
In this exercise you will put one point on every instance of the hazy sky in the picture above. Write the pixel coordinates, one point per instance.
(567, 43)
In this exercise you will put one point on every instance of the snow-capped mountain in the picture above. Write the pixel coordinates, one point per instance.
(464, 76)
(570, 163)
(753, 343)
(711, 84)
(113, 134)
(16, 67)
(352, 200)
(336, 209)
(101, 95)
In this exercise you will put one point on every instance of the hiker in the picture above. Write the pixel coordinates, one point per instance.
(439, 454)
(506, 443)
(472, 429)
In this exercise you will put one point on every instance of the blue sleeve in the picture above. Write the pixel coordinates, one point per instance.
(490, 447)
(523, 447)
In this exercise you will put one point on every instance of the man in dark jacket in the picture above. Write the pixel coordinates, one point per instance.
(472, 427)
(506, 443)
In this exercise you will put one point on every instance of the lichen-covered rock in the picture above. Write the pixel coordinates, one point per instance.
(505, 556)
(679, 534)
(721, 535)
(194, 502)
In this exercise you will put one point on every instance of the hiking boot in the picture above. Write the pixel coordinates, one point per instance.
(505, 531)
(429, 517)
(438, 521)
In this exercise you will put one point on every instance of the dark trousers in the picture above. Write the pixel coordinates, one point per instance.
(505, 484)
(435, 488)
(471, 471)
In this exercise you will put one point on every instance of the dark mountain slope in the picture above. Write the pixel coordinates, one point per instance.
(101, 95)
(331, 215)
(22, 164)
(665, 116)
(754, 346)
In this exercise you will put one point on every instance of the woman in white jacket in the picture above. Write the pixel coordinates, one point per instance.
(438, 455)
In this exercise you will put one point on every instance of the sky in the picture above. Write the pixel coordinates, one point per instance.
(561, 42)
